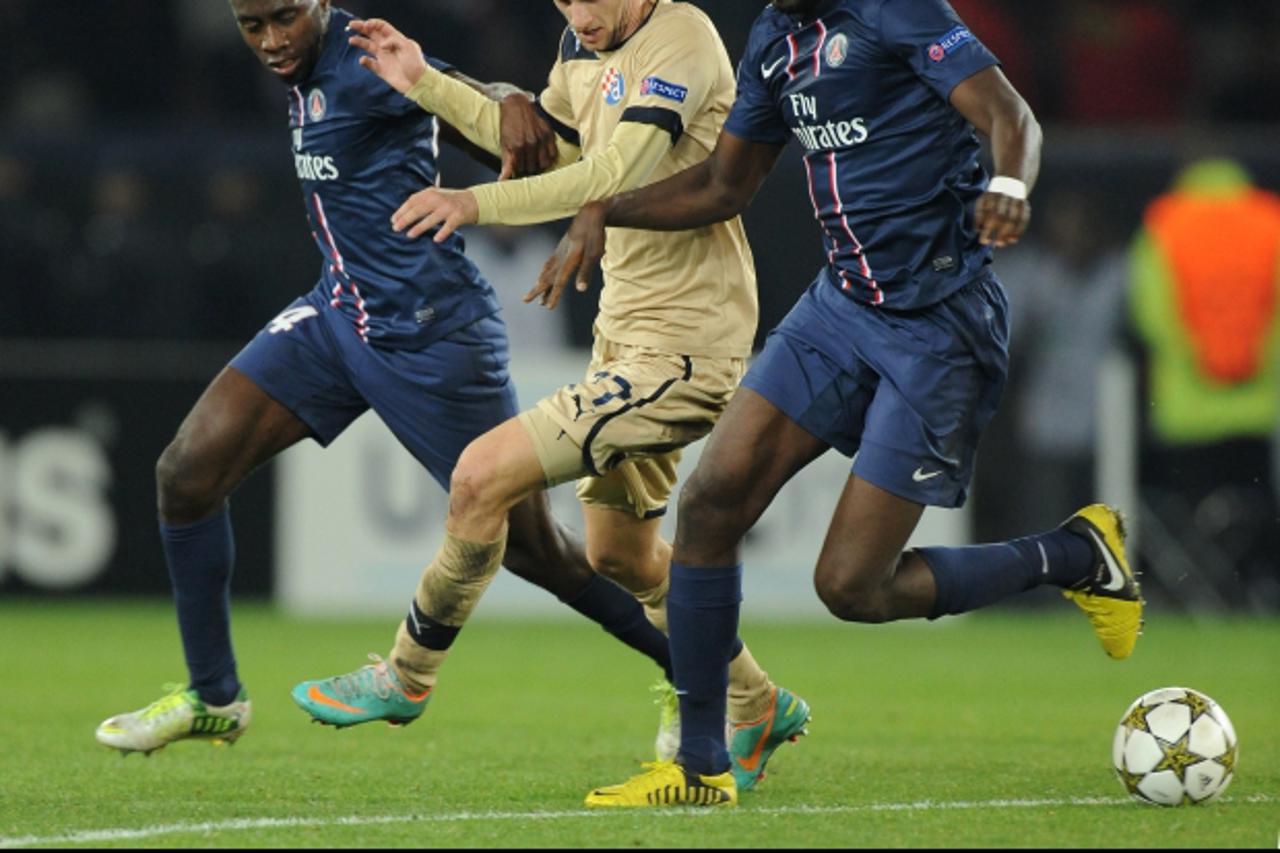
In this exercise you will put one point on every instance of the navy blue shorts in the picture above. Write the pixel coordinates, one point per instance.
(906, 394)
(435, 400)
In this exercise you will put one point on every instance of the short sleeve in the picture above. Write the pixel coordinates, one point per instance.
(932, 39)
(755, 116)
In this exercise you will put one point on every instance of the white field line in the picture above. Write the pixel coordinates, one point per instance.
(90, 836)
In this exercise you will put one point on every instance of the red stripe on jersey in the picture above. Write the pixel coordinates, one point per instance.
(817, 213)
(817, 51)
(302, 111)
(334, 254)
(338, 268)
(878, 297)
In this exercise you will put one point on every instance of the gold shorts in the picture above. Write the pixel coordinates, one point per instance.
(620, 431)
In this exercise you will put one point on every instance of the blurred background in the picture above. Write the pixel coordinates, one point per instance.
(151, 223)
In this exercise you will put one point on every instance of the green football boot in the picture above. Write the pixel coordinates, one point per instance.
(752, 743)
(177, 715)
(372, 692)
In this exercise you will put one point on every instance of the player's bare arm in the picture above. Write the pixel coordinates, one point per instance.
(528, 142)
(991, 104)
(718, 188)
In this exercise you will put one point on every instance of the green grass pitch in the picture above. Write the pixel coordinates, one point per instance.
(987, 730)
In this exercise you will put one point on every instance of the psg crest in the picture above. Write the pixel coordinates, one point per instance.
(316, 104)
(837, 50)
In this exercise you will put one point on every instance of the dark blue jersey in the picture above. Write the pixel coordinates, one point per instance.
(893, 168)
(361, 148)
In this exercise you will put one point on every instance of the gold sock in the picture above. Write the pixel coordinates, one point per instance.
(655, 604)
(750, 689)
(449, 590)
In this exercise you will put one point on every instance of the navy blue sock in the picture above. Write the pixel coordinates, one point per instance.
(617, 611)
(702, 623)
(978, 575)
(200, 557)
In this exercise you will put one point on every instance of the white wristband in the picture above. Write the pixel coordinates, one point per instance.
(1012, 187)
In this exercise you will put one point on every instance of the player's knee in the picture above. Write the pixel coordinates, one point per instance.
(707, 506)
(181, 493)
(474, 488)
(618, 563)
(850, 598)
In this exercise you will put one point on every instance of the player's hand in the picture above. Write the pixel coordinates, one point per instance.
(389, 53)
(448, 210)
(528, 142)
(1001, 219)
(580, 249)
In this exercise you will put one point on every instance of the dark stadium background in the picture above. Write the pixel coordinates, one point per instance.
(150, 224)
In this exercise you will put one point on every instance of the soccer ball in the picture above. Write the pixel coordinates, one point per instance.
(1175, 746)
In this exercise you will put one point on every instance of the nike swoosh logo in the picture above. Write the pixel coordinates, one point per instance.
(415, 697)
(920, 476)
(314, 694)
(766, 71)
(1116, 578)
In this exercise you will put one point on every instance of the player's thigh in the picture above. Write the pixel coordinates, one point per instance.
(868, 531)
(625, 547)
(754, 450)
(233, 427)
(496, 471)
(286, 384)
(795, 403)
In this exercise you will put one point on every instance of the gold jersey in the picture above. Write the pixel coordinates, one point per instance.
(691, 292)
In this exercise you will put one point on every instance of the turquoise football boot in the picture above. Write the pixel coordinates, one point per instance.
(372, 692)
(752, 743)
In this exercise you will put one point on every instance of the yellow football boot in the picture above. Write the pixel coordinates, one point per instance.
(1109, 595)
(665, 783)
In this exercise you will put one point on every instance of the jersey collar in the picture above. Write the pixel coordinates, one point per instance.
(643, 24)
